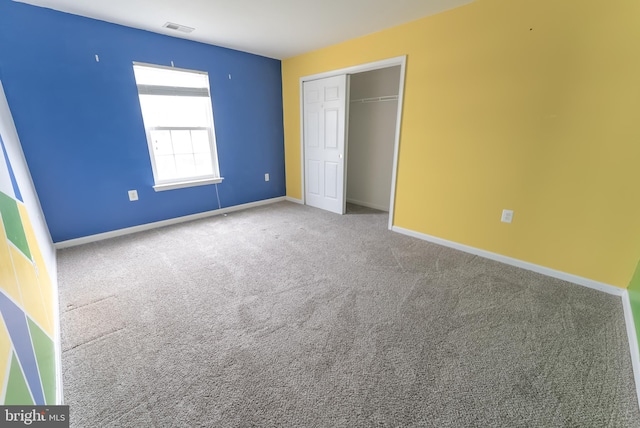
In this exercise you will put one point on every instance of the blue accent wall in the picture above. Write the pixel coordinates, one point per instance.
(82, 132)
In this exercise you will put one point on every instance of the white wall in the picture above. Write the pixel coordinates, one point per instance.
(372, 126)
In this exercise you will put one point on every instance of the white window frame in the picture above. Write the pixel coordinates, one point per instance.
(182, 182)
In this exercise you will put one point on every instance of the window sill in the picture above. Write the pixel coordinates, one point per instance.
(183, 184)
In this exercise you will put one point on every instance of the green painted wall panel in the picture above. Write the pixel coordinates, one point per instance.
(634, 297)
(45, 355)
(17, 390)
(13, 223)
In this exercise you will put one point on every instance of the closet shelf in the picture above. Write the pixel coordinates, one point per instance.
(376, 99)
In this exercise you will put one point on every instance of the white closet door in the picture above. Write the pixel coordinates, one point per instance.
(325, 110)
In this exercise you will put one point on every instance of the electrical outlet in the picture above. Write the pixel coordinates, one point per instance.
(133, 195)
(507, 216)
(266, 177)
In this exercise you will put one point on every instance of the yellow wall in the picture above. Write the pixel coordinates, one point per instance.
(530, 105)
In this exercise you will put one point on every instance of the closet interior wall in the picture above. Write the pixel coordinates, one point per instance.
(373, 110)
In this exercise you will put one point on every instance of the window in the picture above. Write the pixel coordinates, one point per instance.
(178, 119)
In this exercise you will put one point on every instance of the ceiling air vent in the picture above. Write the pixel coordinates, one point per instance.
(178, 27)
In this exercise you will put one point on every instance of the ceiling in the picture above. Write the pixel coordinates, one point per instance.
(273, 28)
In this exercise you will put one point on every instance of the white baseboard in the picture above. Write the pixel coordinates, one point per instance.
(586, 282)
(633, 341)
(601, 286)
(368, 205)
(294, 200)
(154, 225)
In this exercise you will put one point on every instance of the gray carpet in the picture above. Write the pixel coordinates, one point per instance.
(289, 316)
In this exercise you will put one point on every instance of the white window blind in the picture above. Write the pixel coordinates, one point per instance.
(178, 119)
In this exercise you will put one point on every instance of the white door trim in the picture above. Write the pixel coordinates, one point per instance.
(402, 62)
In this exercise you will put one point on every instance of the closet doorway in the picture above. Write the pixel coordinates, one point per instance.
(371, 135)
(373, 114)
